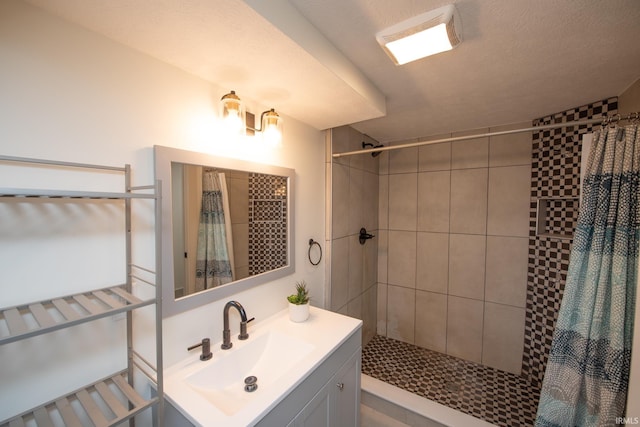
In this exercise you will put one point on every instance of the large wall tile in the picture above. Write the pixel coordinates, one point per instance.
(356, 267)
(369, 313)
(340, 200)
(370, 261)
(403, 202)
(356, 197)
(467, 265)
(238, 184)
(469, 201)
(355, 143)
(383, 201)
(503, 337)
(509, 200)
(340, 144)
(436, 157)
(402, 258)
(432, 270)
(383, 255)
(512, 149)
(370, 201)
(401, 303)
(339, 272)
(403, 161)
(507, 264)
(240, 250)
(381, 311)
(470, 153)
(434, 189)
(464, 328)
(383, 163)
(431, 321)
(354, 307)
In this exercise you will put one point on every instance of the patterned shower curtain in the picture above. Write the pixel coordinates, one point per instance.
(213, 264)
(587, 375)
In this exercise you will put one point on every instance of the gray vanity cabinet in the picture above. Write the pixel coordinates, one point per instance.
(338, 402)
(329, 396)
(316, 413)
(345, 393)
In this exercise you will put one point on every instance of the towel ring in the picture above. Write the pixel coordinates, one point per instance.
(311, 244)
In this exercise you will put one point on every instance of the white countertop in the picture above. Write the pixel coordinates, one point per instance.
(319, 336)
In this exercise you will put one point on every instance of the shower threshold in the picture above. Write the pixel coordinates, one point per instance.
(497, 397)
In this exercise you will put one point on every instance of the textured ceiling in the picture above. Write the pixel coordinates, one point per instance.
(519, 59)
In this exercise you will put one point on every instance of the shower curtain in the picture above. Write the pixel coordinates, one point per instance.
(214, 255)
(587, 375)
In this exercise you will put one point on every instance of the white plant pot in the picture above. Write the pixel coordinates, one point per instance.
(298, 312)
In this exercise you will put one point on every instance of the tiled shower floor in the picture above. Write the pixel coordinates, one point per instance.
(501, 398)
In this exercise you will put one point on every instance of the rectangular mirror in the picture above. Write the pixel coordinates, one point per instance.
(227, 226)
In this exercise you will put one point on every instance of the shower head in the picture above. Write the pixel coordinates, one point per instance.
(375, 153)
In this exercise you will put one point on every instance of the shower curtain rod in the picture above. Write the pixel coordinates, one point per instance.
(602, 120)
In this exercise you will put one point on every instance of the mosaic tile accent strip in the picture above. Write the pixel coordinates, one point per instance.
(555, 177)
(498, 397)
(268, 211)
(267, 222)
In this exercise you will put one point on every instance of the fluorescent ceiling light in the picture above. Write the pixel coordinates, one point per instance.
(423, 35)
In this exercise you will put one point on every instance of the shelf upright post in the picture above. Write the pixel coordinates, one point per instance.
(129, 286)
(158, 275)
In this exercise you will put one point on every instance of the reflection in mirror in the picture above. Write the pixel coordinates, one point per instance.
(230, 221)
(227, 226)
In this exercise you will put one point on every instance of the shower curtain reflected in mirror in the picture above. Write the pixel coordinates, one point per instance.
(587, 376)
(214, 258)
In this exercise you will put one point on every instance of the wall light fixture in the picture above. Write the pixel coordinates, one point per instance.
(235, 117)
(270, 126)
(426, 34)
(232, 113)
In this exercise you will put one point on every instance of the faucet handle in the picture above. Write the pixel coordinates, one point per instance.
(206, 349)
(243, 329)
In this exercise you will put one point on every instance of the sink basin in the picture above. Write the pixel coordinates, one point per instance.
(279, 352)
(267, 357)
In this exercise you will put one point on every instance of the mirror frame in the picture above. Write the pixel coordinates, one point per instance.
(163, 157)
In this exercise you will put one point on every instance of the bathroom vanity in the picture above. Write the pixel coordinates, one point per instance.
(306, 374)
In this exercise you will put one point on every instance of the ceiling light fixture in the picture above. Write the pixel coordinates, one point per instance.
(236, 119)
(426, 34)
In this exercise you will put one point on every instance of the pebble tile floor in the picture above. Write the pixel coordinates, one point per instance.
(498, 397)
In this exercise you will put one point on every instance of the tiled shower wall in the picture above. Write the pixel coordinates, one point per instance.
(354, 205)
(453, 247)
(460, 269)
(555, 180)
(267, 222)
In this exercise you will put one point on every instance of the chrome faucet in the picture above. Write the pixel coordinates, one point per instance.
(226, 333)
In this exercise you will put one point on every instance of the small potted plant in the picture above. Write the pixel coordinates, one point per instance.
(299, 303)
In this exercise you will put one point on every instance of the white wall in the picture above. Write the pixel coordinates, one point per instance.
(70, 94)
